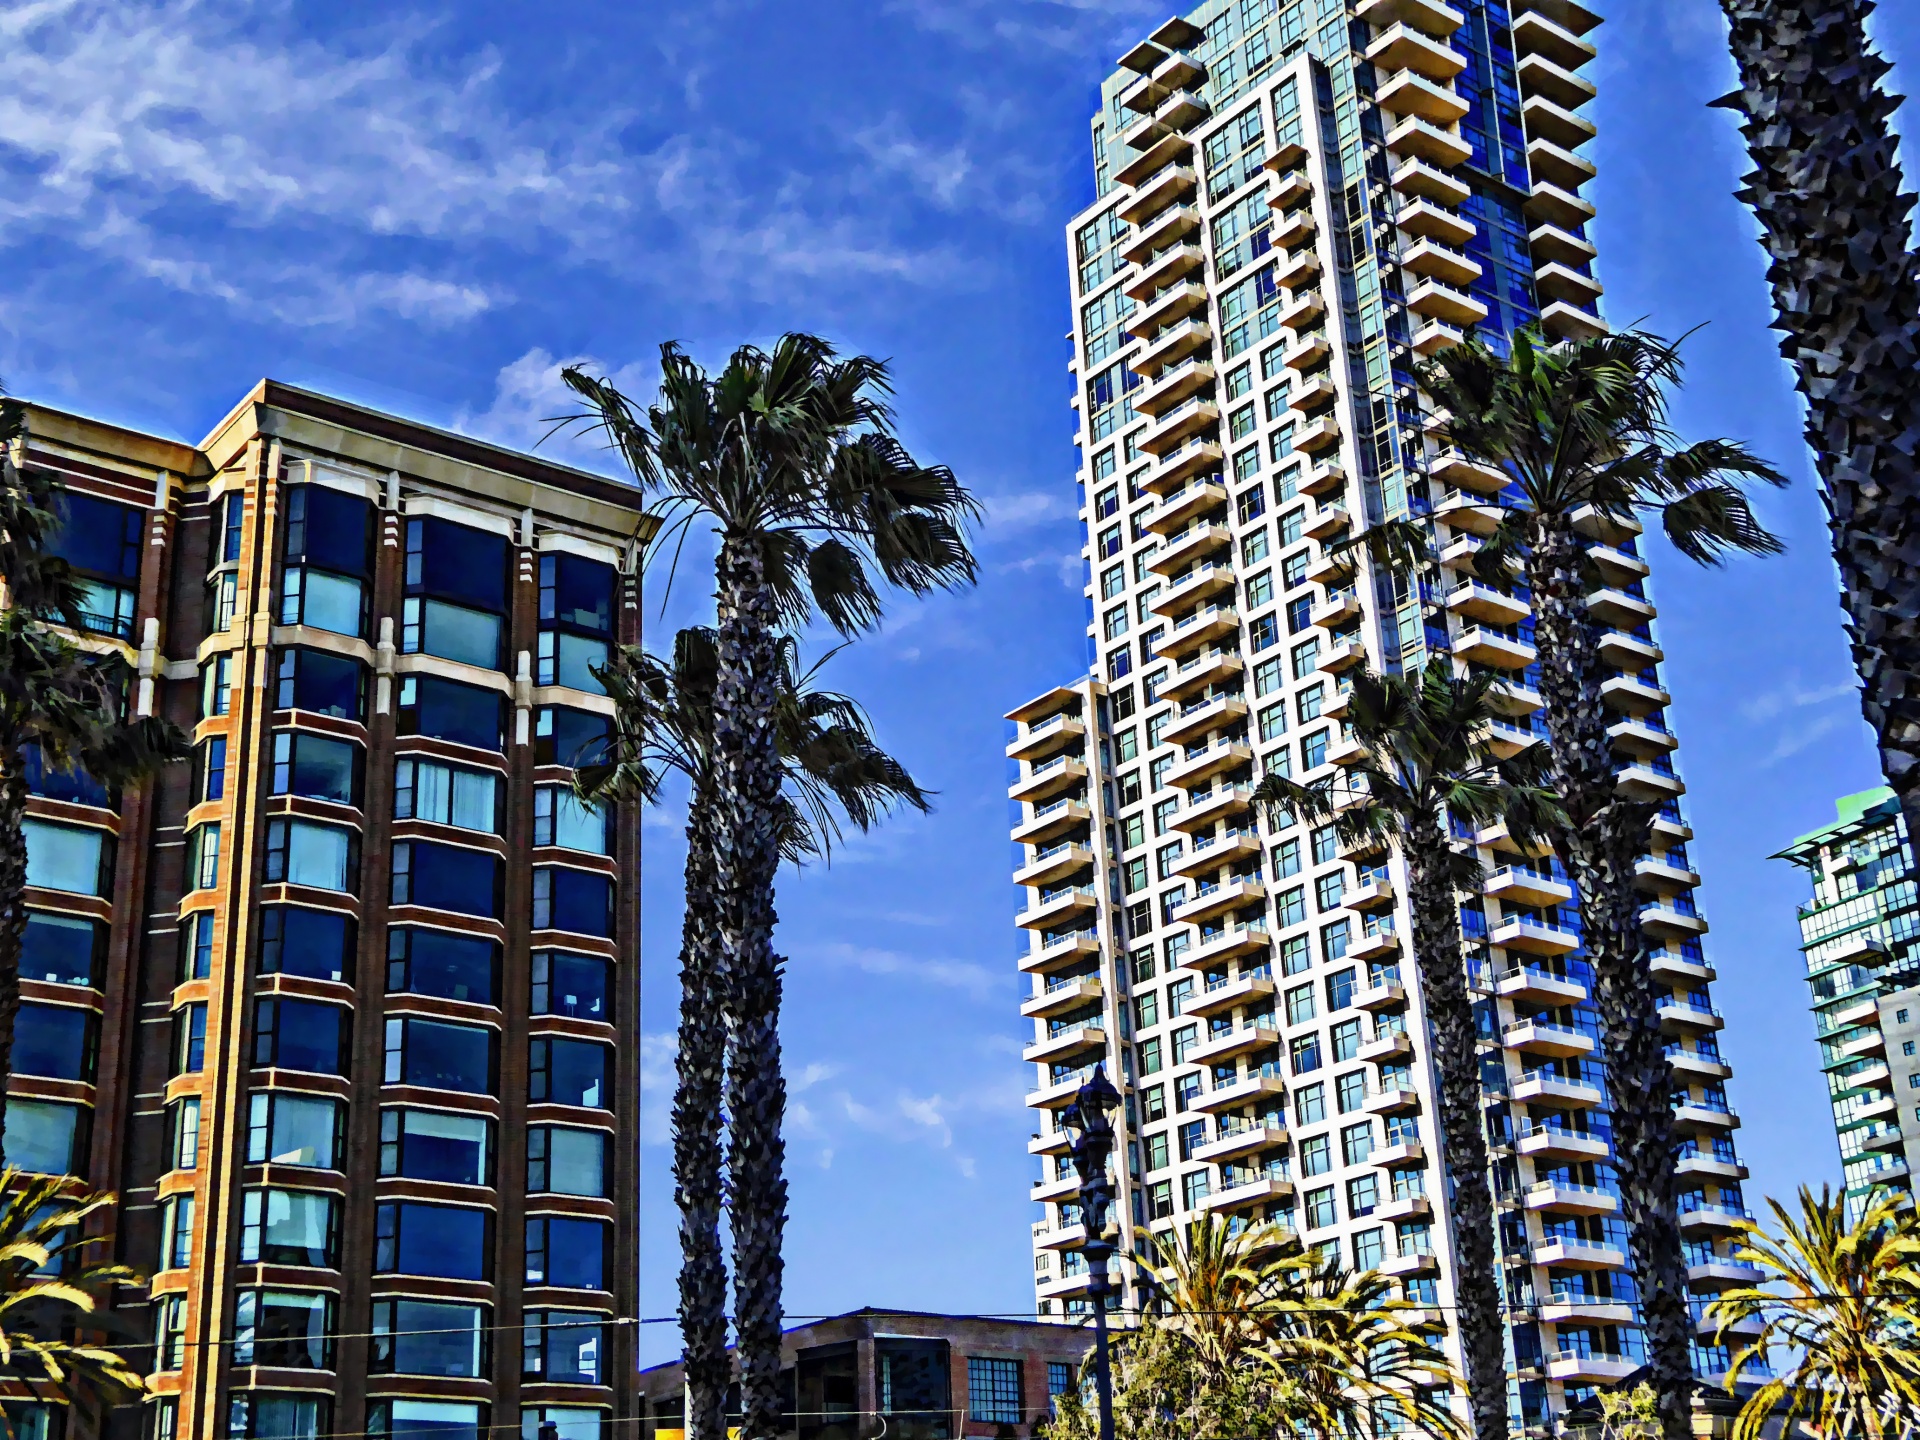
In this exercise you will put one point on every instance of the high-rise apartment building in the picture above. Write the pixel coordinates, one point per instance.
(1863, 967)
(1295, 201)
(337, 1007)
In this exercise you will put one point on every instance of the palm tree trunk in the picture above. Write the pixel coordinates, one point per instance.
(1605, 837)
(1826, 188)
(747, 853)
(13, 916)
(1443, 989)
(696, 1135)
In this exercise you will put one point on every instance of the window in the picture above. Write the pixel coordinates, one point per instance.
(1146, 1010)
(320, 682)
(302, 1035)
(563, 1160)
(1060, 1378)
(316, 767)
(216, 686)
(1329, 889)
(1294, 957)
(1369, 1249)
(196, 947)
(563, 1347)
(1148, 1054)
(263, 1415)
(1363, 1195)
(567, 1252)
(993, 1391)
(1346, 1041)
(568, 1072)
(289, 1227)
(440, 1055)
(102, 541)
(189, 1039)
(294, 940)
(443, 963)
(1326, 844)
(576, 620)
(72, 858)
(447, 877)
(305, 852)
(1195, 1188)
(456, 593)
(176, 1225)
(577, 900)
(1316, 1156)
(322, 601)
(63, 949)
(561, 819)
(573, 985)
(44, 1137)
(1290, 907)
(209, 771)
(448, 1241)
(1313, 750)
(434, 1145)
(447, 710)
(1305, 1051)
(427, 1420)
(56, 1042)
(426, 1337)
(290, 1329)
(203, 857)
(183, 1123)
(1320, 1207)
(329, 528)
(1906, 1047)
(170, 1332)
(1356, 1143)
(1158, 1155)
(1160, 1200)
(284, 1128)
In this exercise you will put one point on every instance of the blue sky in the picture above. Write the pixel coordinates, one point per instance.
(428, 208)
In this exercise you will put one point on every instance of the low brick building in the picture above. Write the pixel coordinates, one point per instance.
(904, 1375)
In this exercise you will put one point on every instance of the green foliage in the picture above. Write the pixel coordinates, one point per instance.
(1630, 1414)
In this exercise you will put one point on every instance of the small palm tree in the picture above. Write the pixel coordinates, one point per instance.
(1209, 1277)
(49, 1294)
(64, 702)
(1580, 431)
(663, 721)
(1834, 218)
(1426, 755)
(790, 454)
(1845, 1306)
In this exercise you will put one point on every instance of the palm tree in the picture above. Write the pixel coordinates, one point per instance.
(65, 705)
(1846, 1307)
(664, 721)
(1426, 754)
(1209, 1277)
(1833, 211)
(49, 1290)
(1581, 430)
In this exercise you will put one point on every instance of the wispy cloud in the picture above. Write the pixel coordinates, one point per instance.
(1800, 714)
(979, 981)
(1793, 693)
(1057, 25)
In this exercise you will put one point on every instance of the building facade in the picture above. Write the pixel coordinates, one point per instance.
(1295, 201)
(1857, 933)
(902, 1374)
(336, 1008)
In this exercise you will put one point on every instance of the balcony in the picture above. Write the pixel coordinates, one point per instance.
(1641, 781)
(1543, 1087)
(1464, 512)
(1425, 220)
(1564, 321)
(1266, 1189)
(1420, 139)
(1632, 695)
(1199, 456)
(1302, 309)
(1580, 1366)
(1571, 1307)
(1540, 75)
(1050, 821)
(1519, 885)
(1227, 994)
(1047, 737)
(1553, 246)
(1571, 1254)
(1541, 1037)
(1411, 1262)
(1712, 1217)
(1371, 894)
(1396, 1099)
(1297, 270)
(1173, 428)
(1641, 737)
(1227, 942)
(1211, 900)
(1315, 394)
(1535, 34)
(1248, 1091)
(1051, 1142)
(1332, 568)
(1067, 1045)
(1385, 1046)
(1439, 301)
(1698, 1117)
(1344, 655)
(1055, 1189)
(1412, 95)
(1075, 1283)
(1709, 1166)
(1241, 1140)
(1664, 920)
(1546, 120)
(1563, 283)
(1224, 802)
(1685, 1016)
(1457, 470)
(1294, 229)
(1550, 1142)
(1174, 182)
(1431, 17)
(1203, 626)
(1558, 165)
(1186, 504)
(1060, 952)
(1173, 344)
(1171, 225)
(1292, 189)
(1052, 908)
(1537, 985)
(1186, 547)
(1307, 352)
(1381, 992)
(1418, 180)
(1204, 579)
(1564, 1198)
(1048, 778)
(1376, 944)
(1168, 308)
(1150, 166)
(1337, 610)
(1058, 1094)
(1174, 384)
(1055, 862)
(1432, 259)
(1323, 478)
(1210, 852)
(1663, 876)
(1167, 268)
(1060, 1237)
(1628, 651)
(1328, 524)
(1400, 1155)
(1722, 1272)
(1433, 336)
(1063, 995)
(1203, 717)
(1346, 750)
(1480, 644)
(1404, 47)
(1195, 673)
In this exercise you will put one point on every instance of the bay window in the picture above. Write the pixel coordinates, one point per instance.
(296, 940)
(427, 1337)
(302, 1035)
(321, 683)
(440, 1055)
(567, 1252)
(448, 710)
(447, 877)
(573, 985)
(289, 1227)
(75, 858)
(565, 1160)
(447, 795)
(306, 852)
(451, 1242)
(63, 949)
(287, 1329)
(436, 1145)
(444, 963)
(287, 1128)
(568, 1072)
(577, 900)
(456, 593)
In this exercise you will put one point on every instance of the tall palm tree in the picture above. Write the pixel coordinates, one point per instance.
(1845, 1304)
(50, 1291)
(1426, 754)
(1834, 221)
(66, 703)
(663, 721)
(1581, 432)
(790, 454)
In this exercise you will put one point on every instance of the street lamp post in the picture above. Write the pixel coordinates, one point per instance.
(1091, 1147)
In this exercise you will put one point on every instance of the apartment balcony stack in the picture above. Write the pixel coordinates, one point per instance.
(1856, 934)
(344, 1008)
(1290, 213)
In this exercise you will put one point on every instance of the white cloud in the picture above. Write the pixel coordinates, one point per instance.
(1069, 25)
(530, 400)
(1794, 694)
(977, 980)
